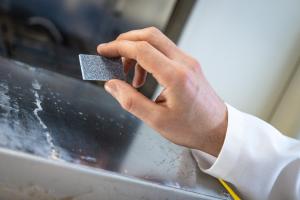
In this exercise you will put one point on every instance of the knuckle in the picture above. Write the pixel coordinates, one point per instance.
(153, 29)
(152, 32)
(194, 62)
(195, 65)
(182, 75)
(121, 36)
(127, 104)
(142, 45)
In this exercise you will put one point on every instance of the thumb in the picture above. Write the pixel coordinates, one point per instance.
(132, 100)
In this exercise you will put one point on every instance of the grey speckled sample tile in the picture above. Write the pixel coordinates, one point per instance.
(95, 67)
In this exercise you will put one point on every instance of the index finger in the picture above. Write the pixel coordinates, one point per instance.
(146, 55)
(154, 37)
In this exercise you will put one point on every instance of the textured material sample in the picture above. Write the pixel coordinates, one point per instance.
(94, 67)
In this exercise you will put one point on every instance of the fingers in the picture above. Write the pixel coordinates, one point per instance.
(133, 101)
(162, 43)
(154, 37)
(146, 55)
(139, 76)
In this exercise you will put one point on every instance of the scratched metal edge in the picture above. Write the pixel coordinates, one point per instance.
(100, 172)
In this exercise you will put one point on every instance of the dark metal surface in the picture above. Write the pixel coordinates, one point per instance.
(51, 33)
(64, 119)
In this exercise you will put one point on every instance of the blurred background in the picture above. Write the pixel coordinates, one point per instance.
(51, 34)
(248, 50)
(250, 53)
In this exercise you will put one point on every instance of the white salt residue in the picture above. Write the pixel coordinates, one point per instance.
(6, 104)
(29, 67)
(36, 86)
(38, 108)
(54, 152)
(35, 191)
(14, 136)
(4, 98)
(88, 158)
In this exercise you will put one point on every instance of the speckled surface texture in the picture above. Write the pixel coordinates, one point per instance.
(94, 67)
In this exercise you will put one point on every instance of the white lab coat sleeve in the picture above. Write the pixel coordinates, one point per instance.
(256, 158)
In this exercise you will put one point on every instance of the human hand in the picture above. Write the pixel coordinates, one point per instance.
(187, 112)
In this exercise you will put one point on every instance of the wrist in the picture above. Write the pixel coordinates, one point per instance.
(216, 136)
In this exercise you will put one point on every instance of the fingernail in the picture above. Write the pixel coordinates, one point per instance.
(135, 84)
(111, 88)
(101, 45)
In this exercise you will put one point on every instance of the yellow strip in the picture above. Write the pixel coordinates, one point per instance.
(229, 190)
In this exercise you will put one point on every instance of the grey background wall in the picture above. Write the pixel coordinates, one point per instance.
(287, 116)
(248, 49)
